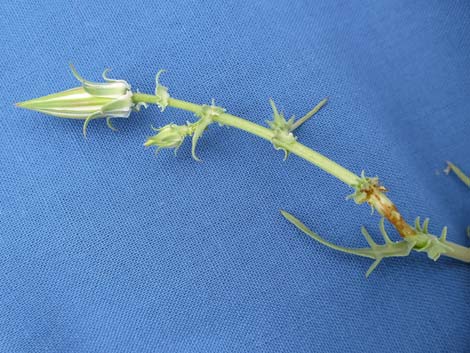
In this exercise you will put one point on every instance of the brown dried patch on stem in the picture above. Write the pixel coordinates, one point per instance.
(387, 209)
(369, 190)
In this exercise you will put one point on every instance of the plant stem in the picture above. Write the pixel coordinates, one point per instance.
(296, 148)
(378, 201)
(459, 252)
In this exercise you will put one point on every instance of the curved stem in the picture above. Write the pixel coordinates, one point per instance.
(378, 200)
(296, 148)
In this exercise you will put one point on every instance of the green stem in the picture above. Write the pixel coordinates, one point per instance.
(296, 148)
(459, 252)
(380, 201)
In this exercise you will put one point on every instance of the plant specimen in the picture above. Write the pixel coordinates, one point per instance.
(115, 99)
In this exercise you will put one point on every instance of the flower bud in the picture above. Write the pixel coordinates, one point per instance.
(110, 99)
(170, 136)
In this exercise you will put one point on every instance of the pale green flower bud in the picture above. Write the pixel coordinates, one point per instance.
(170, 136)
(110, 99)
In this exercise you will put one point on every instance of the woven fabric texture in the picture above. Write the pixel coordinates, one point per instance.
(106, 248)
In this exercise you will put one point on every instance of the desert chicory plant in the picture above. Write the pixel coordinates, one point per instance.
(114, 99)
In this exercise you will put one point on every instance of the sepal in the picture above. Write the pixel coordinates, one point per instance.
(206, 117)
(161, 92)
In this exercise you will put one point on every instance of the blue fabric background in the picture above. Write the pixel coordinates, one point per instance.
(106, 248)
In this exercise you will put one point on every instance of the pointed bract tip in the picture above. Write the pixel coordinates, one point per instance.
(195, 157)
(286, 215)
(24, 105)
(72, 67)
